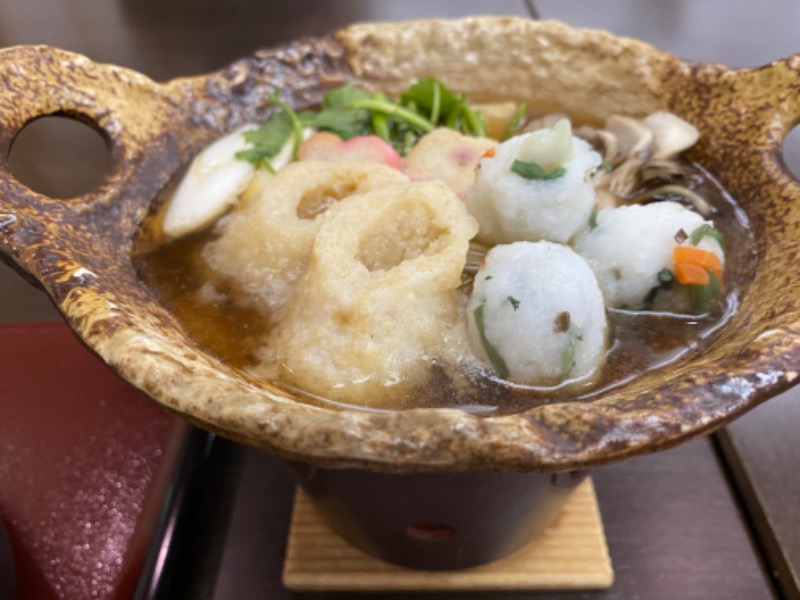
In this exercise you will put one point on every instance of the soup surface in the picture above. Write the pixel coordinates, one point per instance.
(638, 341)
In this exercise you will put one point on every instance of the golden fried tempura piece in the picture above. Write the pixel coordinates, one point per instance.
(264, 247)
(379, 296)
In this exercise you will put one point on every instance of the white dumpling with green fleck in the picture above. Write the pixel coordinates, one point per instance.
(537, 315)
(632, 251)
(535, 187)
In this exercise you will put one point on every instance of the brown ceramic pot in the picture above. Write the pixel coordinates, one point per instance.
(79, 250)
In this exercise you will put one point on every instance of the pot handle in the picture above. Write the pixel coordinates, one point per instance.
(126, 107)
(772, 109)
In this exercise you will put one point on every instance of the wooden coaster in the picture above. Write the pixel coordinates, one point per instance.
(570, 554)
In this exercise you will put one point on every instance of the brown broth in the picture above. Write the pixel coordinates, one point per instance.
(639, 341)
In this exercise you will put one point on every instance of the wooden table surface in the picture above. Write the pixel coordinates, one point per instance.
(715, 518)
(672, 523)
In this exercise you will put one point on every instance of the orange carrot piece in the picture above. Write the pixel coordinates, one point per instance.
(688, 273)
(489, 153)
(697, 256)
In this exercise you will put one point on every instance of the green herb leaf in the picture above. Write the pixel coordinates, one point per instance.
(706, 230)
(294, 121)
(473, 122)
(531, 170)
(344, 123)
(253, 156)
(495, 358)
(514, 302)
(436, 102)
(432, 96)
(406, 143)
(267, 140)
(515, 121)
(395, 111)
(336, 117)
(339, 98)
(380, 123)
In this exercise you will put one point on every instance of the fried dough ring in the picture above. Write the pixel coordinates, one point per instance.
(264, 247)
(379, 296)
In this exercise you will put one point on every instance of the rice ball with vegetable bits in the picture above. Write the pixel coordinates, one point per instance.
(660, 256)
(537, 314)
(534, 187)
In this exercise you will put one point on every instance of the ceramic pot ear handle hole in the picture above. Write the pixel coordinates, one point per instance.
(780, 82)
(758, 108)
(127, 108)
(133, 114)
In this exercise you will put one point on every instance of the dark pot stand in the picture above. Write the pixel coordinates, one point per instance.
(345, 521)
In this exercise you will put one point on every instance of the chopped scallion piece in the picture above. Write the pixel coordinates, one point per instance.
(707, 230)
(568, 356)
(702, 296)
(495, 358)
(665, 277)
(530, 170)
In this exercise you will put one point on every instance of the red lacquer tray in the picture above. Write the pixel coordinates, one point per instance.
(86, 464)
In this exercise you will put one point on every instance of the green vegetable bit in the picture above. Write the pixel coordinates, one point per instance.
(707, 230)
(297, 126)
(432, 96)
(336, 116)
(665, 277)
(267, 140)
(531, 170)
(665, 280)
(515, 121)
(568, 355)
(701, 297)
(394, 110)
(349, 111)
(495, 358)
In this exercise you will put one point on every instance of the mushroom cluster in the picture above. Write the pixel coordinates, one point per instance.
(639, 159)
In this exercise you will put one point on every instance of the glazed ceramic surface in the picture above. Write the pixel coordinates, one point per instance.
(79, 250)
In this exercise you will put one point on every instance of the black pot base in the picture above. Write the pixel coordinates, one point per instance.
(436, 521)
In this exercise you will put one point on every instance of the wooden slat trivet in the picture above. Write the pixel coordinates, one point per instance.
(570, 554)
